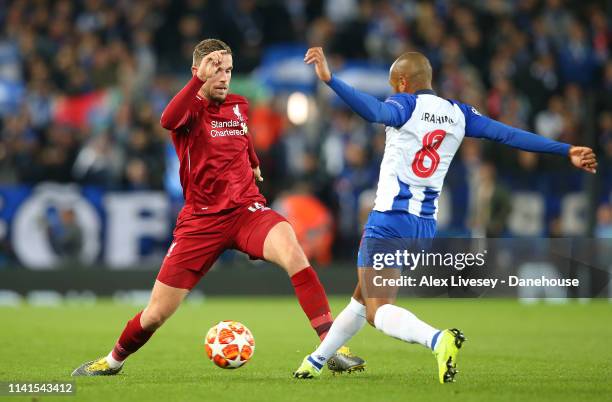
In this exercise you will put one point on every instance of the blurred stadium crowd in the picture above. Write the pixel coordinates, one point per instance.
(542, 65)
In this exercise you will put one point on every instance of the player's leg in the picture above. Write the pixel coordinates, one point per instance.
(364, 302)
(188, 259)
(280, 244)
(388, 318)
(345, 326)
(267, 235)
(264, 234)
(162, 304)
(282, 248)
(402, 324)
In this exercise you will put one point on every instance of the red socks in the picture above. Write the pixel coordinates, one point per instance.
(312, 298)
(131, 339)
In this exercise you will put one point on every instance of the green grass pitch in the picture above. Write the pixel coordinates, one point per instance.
(514, 352)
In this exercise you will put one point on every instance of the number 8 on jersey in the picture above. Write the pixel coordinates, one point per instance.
(431, 143)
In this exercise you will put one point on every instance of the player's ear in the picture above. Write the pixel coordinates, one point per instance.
(393, 82)
(403, 84)
(194, 70)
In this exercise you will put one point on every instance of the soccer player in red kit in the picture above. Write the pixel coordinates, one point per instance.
(223, 209)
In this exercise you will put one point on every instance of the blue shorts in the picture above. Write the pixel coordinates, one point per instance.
(386, 232)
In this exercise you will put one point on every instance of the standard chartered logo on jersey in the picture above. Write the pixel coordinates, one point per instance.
(227, 128)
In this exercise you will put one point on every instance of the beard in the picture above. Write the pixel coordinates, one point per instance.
(217, 98)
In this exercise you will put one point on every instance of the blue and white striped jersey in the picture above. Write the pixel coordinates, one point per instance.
(418, 154)
(423, 134)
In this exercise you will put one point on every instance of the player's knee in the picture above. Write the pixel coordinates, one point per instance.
(294, 259)
(372, 309)
(289, 255)
(371, 314)
(153, 318)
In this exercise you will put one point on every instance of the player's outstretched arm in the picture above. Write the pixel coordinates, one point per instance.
(479, 126)
(176, 114)
(393, 112)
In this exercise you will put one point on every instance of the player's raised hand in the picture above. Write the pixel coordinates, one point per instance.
(210, 65)
(583, 158)
(315, 55)
(257, 172)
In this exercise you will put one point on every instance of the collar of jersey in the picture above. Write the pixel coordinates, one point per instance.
(425, 92)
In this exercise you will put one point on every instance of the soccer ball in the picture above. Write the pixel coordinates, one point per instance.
(229, 344)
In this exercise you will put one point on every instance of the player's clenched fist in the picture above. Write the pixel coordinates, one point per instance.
(315, 55)
(210, 65)
(583, 158)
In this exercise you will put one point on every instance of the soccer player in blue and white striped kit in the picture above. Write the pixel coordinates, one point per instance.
(423, 133)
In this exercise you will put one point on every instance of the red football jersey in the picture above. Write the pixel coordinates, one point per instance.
(214, 149)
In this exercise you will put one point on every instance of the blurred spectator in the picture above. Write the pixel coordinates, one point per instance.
(357, 176)
(490, 203)
(344, 128)
(605, 135)
(557, 20)
(600, 34)
(576, 58)
(604, 94)
(98, 162)
(65, 235)
(145, 165)
(604, 222)
(539, 79)
(265, 125)
(137, 177)
(312, 222)
(57, 156)
(549, 122)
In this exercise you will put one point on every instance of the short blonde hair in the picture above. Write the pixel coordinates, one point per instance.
(208, 46)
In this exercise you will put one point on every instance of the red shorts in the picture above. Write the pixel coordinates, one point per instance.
(200, 239)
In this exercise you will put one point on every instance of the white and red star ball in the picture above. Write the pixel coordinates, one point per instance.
(229, 344)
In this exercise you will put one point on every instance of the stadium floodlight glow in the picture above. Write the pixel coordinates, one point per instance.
(297, 108)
